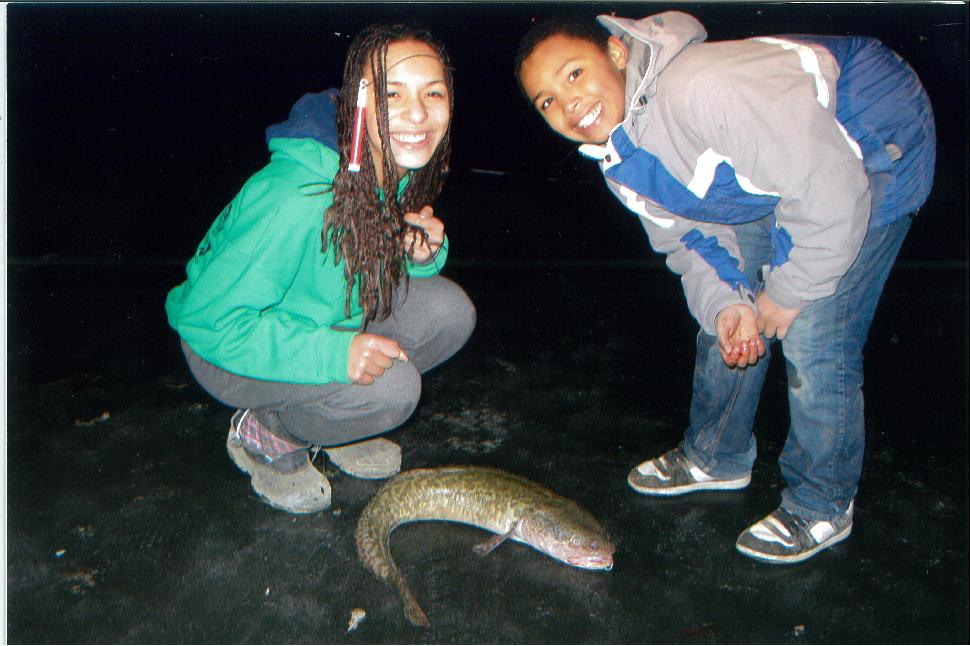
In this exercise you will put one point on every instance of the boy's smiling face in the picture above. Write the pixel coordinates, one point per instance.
(577, 86)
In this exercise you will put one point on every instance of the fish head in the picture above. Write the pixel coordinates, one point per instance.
(579, 541)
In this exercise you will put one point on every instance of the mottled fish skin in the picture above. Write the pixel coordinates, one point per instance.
(500, 502)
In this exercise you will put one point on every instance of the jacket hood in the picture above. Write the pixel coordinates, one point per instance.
(313, 116)
(309, 135)
(653, 42)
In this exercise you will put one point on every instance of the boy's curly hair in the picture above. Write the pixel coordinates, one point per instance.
(364, 230)
(571, 25)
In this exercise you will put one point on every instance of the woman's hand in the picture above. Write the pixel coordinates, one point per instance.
(370, 356)
(422, 251)
(738, 337)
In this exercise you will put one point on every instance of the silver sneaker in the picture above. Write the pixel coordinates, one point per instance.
(674, 474)
(784, 537)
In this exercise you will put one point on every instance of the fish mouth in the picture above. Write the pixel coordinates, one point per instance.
(595, 562)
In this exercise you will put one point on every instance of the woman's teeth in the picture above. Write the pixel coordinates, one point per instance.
(410, 138)
(591, 116)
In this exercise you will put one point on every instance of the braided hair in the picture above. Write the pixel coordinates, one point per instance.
(363, 228)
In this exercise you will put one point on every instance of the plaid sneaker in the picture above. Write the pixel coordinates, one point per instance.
(257, 439)
(673, 474)
(280, 471)
(783, 537)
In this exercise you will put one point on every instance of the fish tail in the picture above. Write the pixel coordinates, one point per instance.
(374, 548)
(412, 609)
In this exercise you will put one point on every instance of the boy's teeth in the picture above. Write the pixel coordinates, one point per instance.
(591, 116)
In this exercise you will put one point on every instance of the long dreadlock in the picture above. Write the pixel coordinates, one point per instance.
(362, 229)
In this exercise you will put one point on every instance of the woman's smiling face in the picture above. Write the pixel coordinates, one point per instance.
(577, 86)
(418, 106)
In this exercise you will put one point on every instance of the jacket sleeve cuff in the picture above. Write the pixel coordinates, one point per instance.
(333, 350)
(740, 296)
(433, 266)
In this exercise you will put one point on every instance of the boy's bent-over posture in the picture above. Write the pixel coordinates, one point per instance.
(779, 176)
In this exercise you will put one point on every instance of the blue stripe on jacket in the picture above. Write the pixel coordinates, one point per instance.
(725, 201)
(725, 265)
(880, 100)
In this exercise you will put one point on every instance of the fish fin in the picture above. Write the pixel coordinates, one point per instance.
(416, 615)
(486, 547)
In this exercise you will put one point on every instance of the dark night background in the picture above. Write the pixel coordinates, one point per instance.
(130, 126)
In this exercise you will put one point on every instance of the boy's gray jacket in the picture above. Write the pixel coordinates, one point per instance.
(828, 135)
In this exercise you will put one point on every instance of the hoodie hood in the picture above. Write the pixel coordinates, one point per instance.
(653, 42)
(314, 116)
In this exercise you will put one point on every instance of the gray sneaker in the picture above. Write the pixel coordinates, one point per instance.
(372, 459)
(673, 474)
(783, 537)
(288, 482)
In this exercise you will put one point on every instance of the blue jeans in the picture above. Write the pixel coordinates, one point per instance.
(822, 457)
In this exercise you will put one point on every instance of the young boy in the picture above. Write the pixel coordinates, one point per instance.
(779, 176)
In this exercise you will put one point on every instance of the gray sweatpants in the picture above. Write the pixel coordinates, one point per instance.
(431, 322)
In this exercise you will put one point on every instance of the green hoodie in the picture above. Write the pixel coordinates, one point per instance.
(261, 299)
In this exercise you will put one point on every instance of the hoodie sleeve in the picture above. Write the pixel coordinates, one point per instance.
(431, 268)
(237, 309)
(769, 107)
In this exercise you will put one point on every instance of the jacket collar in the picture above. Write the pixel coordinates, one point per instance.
(652, 42)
